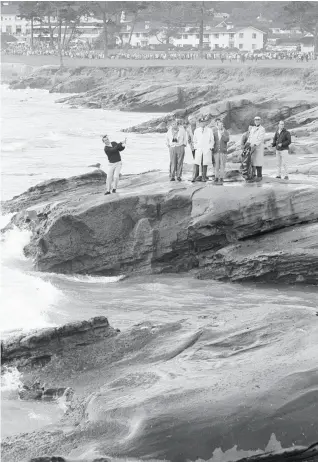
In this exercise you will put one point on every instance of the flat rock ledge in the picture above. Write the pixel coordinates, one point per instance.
(153, 226)
(37, 347)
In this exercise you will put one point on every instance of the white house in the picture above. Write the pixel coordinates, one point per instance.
(11, 22)
(248, 38)
(215, 37)
(140, 36)
(307, 44)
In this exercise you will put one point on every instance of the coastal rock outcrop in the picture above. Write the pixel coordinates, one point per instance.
(155, 227)
(234, 93)
(36, 348)
(289, 255)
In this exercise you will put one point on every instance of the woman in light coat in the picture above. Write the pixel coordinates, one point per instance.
(203, 142)
(256, 142)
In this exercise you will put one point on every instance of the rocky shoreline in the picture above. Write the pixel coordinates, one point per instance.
(235, 94)
(171, 391)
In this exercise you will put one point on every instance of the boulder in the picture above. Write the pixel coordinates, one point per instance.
(36, 348)
(36, 391)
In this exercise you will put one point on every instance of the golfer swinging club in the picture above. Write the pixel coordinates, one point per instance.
(112, 151)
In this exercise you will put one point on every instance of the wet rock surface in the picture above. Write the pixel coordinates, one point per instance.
(38, 347)
(171, 392)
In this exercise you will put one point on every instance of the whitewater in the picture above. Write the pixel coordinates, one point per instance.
(266, 334)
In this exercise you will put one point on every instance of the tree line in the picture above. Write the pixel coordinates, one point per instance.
(169, 17)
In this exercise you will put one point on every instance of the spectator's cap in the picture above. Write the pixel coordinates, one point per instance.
(257, 118)
(203, 118)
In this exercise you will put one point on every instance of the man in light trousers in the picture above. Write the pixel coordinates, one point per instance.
(203, 142)
(176, 142)
(281, 142)
(112, 151)
(221, 138)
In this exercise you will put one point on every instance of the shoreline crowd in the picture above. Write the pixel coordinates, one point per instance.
(208, 141)
(83, 50)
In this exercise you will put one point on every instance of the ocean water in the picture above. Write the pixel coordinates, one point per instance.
(267, 335)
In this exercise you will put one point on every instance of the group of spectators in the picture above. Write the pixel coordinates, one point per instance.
(79, 50)
(209, 55)
(208, 141)
(84, 50)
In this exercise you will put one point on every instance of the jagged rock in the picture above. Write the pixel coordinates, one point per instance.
(36, 391)
(37, 347)
(289, 255)
(154, 227)
(75, 85)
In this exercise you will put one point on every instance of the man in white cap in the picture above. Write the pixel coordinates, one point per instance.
(203, 142)
(256, 142)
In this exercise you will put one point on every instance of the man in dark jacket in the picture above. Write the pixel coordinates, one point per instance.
(221, 138)
(112, 151)
(281, 141)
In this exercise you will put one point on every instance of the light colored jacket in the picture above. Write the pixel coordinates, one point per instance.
(203, 143)
(182, 138)
(256, 140)
(190, 137)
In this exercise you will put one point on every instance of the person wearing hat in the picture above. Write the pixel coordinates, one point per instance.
(246, 157)
(256, 142)
(176, 142)
(221, 138)
(203, 142)
(112, 151)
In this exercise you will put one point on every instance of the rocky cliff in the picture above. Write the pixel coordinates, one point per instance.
(234, 93)
(154, 227)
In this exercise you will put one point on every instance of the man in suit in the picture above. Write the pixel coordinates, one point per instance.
(221, 138)
(281, 141)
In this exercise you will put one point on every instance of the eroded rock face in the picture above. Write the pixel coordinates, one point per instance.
(289, 255)
(238, 111)
(37, 347)
(155, 227)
